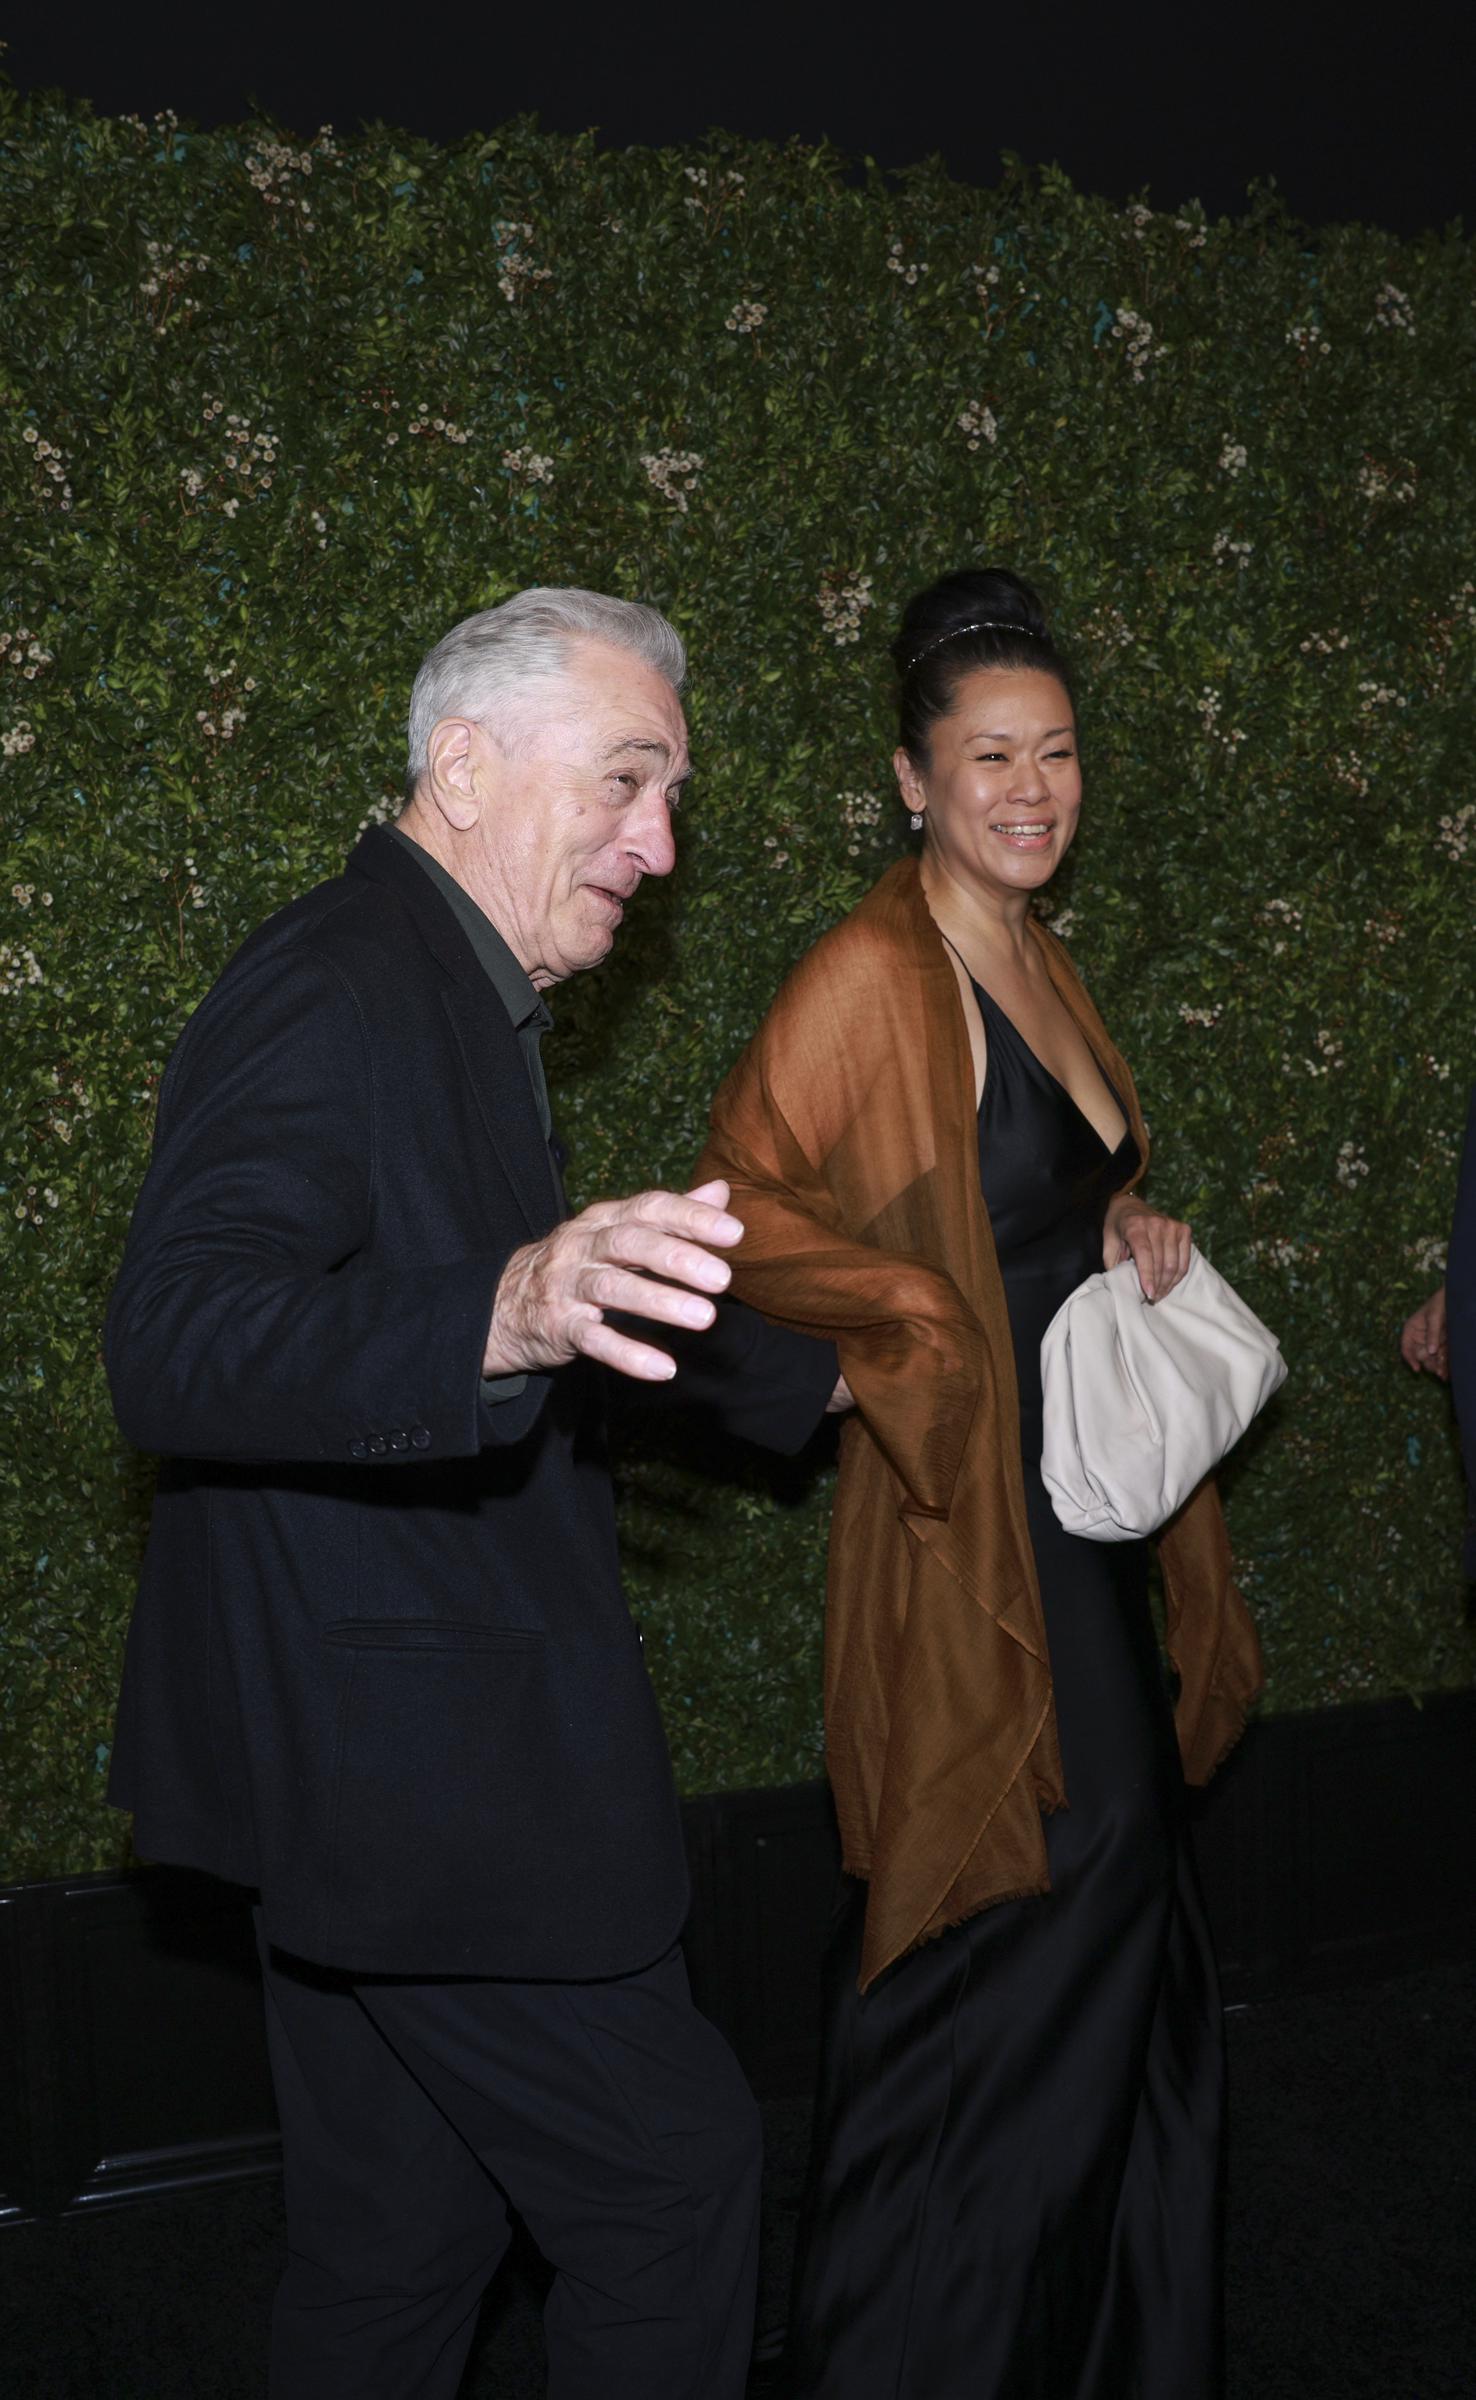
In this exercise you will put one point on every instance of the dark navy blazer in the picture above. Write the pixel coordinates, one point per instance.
(1460, 1309)
(380, 1664)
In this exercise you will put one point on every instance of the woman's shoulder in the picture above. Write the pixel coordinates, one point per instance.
(878, 937)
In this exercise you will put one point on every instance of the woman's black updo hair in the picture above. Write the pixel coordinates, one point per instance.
(980, 617)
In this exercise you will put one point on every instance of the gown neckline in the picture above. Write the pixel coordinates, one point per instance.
(1109, 1150)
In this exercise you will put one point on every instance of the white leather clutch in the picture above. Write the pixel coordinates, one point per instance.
(1141, 1402)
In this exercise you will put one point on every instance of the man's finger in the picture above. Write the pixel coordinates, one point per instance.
(633, 1245)
(635, 1359)
(641, 1296)
(714, 1195)
(680, 1213)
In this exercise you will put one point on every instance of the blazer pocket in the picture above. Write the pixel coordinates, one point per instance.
(427, 1633)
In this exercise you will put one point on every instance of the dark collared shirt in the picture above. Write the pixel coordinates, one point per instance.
(526, 1010)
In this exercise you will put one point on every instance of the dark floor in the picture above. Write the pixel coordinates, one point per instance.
(1352, 2257)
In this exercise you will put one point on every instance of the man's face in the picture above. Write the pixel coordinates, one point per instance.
(576, 809)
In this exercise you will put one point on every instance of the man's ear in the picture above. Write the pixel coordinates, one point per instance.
(451, 777)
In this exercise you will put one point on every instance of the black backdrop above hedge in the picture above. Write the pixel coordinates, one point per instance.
(275, 415)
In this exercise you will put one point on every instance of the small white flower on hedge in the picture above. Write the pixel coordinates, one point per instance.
(842, 601)
(20, 738)
(1429, 1254)
(1129, 327)
(531, 465)
(746, 316)
(1392, 309)
(1232, 455)
(18, 968)
(1201, 1016)
(516, 272)
(1378, 482)
(978, 423)
(899, 264)
(1308, 340)
(1352, 1166)
(674, 473)
(860, 813)
(1454, 833)
(1225, 546)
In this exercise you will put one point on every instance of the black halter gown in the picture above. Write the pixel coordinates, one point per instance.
(1015, 2185)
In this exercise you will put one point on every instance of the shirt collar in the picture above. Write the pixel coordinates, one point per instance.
(524, 1005)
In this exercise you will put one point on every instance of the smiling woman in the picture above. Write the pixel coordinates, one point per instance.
(1019, 2100)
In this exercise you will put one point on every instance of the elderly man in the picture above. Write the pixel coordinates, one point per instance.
(380, 1667)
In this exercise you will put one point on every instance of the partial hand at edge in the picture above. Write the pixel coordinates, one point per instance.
(650, 1255)
(1423, 1344)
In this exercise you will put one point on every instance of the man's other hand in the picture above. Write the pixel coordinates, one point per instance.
(1422, 1344)
(650, 1256)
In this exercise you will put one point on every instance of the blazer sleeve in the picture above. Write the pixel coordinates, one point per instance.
(1460, 1322)
(762, 1382)
(248, 1321)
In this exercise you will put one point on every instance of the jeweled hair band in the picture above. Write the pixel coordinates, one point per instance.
(980, 625)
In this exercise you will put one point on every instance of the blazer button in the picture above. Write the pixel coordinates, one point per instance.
(420, 1436)
(358, 1449)
(399, 1441)
(378, 1444)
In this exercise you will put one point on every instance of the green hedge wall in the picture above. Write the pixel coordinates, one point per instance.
(273, 416)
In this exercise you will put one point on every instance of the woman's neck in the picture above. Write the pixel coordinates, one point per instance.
(979, 925)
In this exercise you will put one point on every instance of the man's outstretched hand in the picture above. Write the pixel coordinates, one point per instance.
(650, 1256)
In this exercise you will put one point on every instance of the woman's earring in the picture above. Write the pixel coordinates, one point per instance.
(917, 818)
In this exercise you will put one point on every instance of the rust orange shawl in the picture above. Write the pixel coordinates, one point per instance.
(848, 1133)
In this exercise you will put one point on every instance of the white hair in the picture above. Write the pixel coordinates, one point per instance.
(481, 667)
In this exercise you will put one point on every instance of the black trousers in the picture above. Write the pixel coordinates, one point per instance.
(611, 2116)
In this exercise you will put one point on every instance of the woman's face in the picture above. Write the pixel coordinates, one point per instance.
(1001, 792)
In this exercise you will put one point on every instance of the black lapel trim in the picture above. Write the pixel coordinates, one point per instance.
(494, 1061)
(488, 1043)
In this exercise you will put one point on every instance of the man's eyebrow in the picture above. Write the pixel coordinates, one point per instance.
(654, 749)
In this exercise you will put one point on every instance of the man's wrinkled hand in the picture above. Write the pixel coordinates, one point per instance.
(650, 1256)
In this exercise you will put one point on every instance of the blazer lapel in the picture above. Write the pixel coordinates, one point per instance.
(494, 1062)
(489, 1046)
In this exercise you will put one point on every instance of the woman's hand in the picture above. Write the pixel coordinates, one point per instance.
(1422, 1345)
(1159, 1246)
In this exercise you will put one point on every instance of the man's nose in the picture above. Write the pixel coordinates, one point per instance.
(649, 839)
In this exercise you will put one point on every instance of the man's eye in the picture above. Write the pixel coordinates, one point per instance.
(631, 782)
